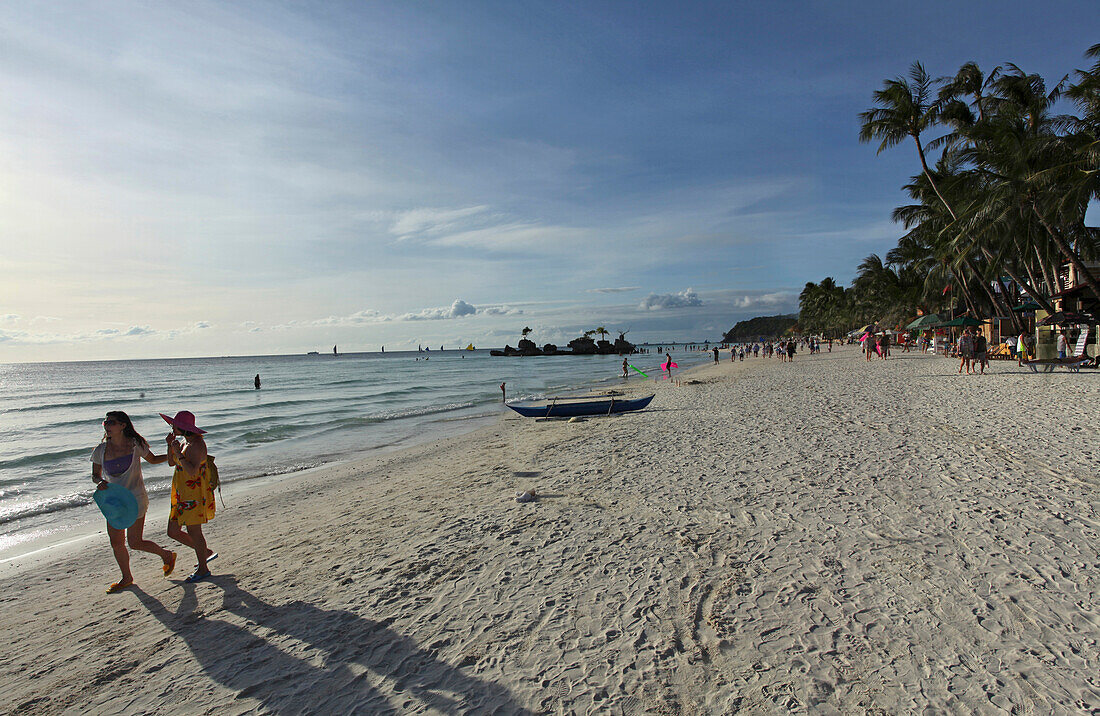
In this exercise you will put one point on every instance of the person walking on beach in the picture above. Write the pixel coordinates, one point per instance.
(668, 364)
(981, 352)
(257, 381)
(192, 496)
(625, 365)
(117, 460)
(1063, 344)
(716, 355)
(966, 352)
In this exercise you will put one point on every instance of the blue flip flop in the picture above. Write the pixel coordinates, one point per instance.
(209, 559)
(197, 577)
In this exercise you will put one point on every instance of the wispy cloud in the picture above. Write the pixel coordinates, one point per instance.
(431, 222)
(623, 289)
(531, 237)
(98, 335)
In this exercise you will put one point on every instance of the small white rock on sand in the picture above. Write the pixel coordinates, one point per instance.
(827, 536)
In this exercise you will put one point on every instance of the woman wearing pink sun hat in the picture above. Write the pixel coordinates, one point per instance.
(192, 496)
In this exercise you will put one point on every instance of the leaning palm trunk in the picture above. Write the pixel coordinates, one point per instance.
(989, 292)
(927, 173)
(1048, 277)
(1016, 325)
(1029, 289)
(1068, 252)
(964, 288)
(1004, 289)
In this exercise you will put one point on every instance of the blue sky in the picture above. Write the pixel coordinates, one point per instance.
(184, 179)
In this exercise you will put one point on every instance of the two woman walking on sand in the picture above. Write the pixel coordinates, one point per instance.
(117, 460)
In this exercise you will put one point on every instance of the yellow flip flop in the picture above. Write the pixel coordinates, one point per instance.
(170, 565)
(119, 586)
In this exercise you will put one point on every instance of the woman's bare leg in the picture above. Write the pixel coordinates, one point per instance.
(176, 532)
(198, 541)
(137, 541)
(118, 545)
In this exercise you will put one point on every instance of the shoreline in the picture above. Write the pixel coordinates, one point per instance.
(764, 537)
(35, 550)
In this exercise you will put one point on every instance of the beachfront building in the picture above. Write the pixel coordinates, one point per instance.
(1075, 297)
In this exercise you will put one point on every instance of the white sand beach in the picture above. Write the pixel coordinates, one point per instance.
(827, 536)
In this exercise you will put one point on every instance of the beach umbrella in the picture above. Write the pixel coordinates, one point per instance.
(1026, 306)
(1067, 318)
(962, 322)
(926, 321)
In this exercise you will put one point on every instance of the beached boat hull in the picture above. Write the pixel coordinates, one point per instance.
(587, 407)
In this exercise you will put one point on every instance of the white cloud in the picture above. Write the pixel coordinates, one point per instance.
(458, 309)
(98, 335)
(660, 302)
(765, 300)
(500, 311)
(355, 319)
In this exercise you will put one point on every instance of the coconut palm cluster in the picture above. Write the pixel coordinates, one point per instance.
(1008, 166)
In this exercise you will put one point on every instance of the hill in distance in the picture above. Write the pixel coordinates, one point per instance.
(759, 327)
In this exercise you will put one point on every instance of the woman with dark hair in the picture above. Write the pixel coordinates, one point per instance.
(117, 459)
(192, 496)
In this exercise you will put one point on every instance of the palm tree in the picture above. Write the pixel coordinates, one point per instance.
(1007, 196)
(1028, 163)
(905, 110)
(602, 332)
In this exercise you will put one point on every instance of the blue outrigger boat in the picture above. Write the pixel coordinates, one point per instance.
(573, 407)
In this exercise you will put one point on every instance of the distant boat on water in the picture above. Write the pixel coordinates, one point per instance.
(313, 353)
(470, 347)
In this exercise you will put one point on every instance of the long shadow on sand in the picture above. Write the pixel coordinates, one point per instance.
(298, 658)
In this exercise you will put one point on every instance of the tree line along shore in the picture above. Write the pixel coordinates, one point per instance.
(996, 227)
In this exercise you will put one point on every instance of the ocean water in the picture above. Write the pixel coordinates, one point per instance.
(311, 410)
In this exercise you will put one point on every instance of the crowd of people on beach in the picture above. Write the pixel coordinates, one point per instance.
(116, 461)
